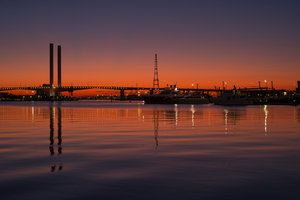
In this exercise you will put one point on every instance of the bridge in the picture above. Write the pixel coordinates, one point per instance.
(50, 90)
(43, 90)
(69, 88)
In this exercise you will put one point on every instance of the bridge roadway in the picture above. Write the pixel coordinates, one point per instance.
(73, 88)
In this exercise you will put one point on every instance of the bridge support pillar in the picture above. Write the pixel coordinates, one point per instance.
(122, 94)
(41, 93)
(52, 92)
(71, 92)
(57, 94)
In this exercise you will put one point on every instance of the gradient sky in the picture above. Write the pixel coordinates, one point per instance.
(113, 42)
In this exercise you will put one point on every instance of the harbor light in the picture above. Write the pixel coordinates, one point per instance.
(266, 82)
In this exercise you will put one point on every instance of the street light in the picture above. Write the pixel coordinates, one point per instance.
(266, 82)
(224, 85)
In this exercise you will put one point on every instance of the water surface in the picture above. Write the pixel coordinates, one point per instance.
(98, 150)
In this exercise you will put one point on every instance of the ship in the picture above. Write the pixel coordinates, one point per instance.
(170, 95)
(233, 98)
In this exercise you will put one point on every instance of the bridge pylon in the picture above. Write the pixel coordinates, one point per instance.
(52, 90)
(51, 67)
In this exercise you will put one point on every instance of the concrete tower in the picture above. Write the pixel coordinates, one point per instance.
(59, 66)
(51, 58)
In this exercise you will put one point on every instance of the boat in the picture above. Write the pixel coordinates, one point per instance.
(233, 98)
(170, 95)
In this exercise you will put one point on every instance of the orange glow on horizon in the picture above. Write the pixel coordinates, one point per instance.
(136, 70)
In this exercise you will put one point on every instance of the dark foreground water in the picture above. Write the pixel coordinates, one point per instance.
(96, 150)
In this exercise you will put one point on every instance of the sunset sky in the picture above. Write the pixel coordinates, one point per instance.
(113, 42)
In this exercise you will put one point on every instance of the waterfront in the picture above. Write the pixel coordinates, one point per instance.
(103, 150)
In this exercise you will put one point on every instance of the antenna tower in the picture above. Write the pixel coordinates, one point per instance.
(155, 79)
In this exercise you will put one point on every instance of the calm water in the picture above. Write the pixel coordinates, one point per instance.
(94, 150)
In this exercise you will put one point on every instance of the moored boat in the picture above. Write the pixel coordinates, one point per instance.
(233, 98)
(172, 96)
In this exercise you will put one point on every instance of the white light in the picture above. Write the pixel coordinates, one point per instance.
(226, 120)
(193, 114)
(266, 117)
(176, 114)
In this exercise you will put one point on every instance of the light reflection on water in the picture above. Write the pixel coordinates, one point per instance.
(86, 150)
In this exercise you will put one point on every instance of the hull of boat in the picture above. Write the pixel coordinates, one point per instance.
(162, 99)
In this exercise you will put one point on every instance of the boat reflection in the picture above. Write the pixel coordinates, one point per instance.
(232, 117)
(226, 120)
(266, 111)
(56, 164)
(298, 114)
(193, 114)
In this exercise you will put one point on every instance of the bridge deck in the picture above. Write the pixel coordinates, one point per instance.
(73, 88)
(68, 88)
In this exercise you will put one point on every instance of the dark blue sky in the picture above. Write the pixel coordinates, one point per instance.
(215, 39)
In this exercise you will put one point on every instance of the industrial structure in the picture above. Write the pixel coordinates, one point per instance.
(155, 78)
(52, 91)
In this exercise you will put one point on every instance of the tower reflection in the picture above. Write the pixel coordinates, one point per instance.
(155, 126)
(51, 114)
(56, 164)
(298, 114)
